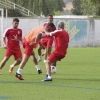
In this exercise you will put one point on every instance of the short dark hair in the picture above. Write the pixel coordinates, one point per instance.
(50, 15)
(15, 20)
(51, 25)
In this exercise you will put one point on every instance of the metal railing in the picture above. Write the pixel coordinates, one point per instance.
(9, 4)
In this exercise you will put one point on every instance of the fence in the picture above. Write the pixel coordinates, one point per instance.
(9, 4)
(83, 32)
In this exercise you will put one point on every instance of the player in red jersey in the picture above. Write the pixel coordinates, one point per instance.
(61, 45)
(13, 36)
(46, 41)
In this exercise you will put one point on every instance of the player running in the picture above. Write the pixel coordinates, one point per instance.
(11, 39)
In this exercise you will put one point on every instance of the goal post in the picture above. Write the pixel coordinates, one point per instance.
(1, 25)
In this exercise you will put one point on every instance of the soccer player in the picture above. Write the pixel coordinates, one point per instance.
(11, 39)
(46, 42)
(30, 41)
(61, 45)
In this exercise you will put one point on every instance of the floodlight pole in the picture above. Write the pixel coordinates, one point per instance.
(6, 12)
(2, 15)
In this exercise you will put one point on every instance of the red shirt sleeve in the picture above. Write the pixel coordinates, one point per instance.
(54, 33)
(6, 33)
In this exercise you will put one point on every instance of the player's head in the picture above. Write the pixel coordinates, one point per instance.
(49, 26)
(50, 18)
(60, 25)
(15, 22)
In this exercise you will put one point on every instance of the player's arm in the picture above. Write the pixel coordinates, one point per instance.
(54, 33)
(41, 45)
(37, 39)
(4, 42)
(20, 39)
(4, 38)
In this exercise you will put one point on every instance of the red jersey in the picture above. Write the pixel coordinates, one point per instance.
(48, 40)
(61, 41)
(13, 37)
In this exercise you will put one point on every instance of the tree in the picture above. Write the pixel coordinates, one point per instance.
(77, 9)
(93, 1)
(44, 6)
(86, 7)
(47, 6)
(89, 7)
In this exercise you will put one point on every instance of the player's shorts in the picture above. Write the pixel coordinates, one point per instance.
(27, 48)
(16, 52)
(47, 41)
(53, 57)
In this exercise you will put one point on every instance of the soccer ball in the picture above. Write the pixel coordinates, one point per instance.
(53, 69)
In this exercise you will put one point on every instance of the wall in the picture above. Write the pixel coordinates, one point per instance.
(83, 32)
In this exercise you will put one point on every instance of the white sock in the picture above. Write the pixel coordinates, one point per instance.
(37, 67)
(19, 70)
(49, 77)
(45, 61)
(12, 65)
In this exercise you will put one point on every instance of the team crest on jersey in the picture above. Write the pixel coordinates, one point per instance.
(18, 32)
(15, 38)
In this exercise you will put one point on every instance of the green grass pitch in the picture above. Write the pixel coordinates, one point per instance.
(77, 78)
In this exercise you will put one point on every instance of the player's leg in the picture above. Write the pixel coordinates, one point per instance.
(36, 63)
(3, 62)
(21, 66)
(45, 56)
(43, 53)
(39, 53)
(47, 53)
(18, 58)
(48, 70)
(27, 52)
(52, 58)
(41, 46)
(17, 62)
(53, 64)
(8, 53)
(48, 48)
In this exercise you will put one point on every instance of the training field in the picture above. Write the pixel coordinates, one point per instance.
(77, 78)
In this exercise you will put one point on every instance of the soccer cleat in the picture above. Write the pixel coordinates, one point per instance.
(0, 73)
(19, 76)
(11, 69)
(39, 71)
(47, 79)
